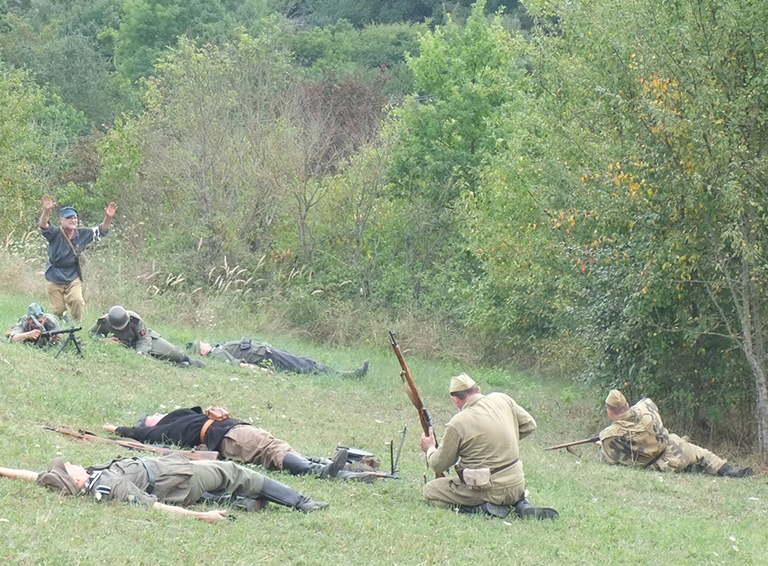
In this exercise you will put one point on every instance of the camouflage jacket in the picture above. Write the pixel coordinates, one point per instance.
(638, 438)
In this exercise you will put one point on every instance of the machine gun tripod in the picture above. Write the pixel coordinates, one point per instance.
(70, 332)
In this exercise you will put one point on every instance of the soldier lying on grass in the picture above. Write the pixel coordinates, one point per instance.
(234, 440)
(126, 327)
(168, 483)
(260, 354)
(638, 437)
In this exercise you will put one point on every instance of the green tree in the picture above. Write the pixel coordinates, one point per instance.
(467, 78)
(651, 164)
(149, 27)
(34, 130)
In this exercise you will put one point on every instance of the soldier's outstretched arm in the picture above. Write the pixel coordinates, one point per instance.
(207, 516)
(18, 474)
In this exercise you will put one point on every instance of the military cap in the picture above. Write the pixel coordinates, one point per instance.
(461, 383)
(34, 311)
(68, 211)
(57, 478)
(616, 399)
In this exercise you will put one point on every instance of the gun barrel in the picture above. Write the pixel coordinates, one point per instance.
(576, 443)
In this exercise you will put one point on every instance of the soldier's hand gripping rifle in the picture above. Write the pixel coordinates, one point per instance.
(412, 392)
(51, 334)
(136, 445)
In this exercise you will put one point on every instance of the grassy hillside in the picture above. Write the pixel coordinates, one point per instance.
(608, 515)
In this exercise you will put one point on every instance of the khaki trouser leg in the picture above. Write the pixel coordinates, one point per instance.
(56, 300)
(74, 298)
(450, 491)
(69, 296)
(164, 350)
(245, 443)
(680, 454)
(223, 478)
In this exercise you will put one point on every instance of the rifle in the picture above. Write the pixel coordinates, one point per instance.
(52, 333)
(136, 445)
(569, 444)
(412, 392)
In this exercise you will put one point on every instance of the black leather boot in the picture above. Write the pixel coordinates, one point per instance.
(283, 495)
(299, 465)
(528, 511)
(359, 372)
(730, 472)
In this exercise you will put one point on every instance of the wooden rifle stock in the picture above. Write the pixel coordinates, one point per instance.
(136, 445)
(569, 444)
(412, 392)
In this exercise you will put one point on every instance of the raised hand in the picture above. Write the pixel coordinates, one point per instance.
(48, 203)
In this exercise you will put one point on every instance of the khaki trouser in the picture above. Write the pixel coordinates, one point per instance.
(680, 454)
(253, 445)
(62, 296)
(223, 478)
(449, 491)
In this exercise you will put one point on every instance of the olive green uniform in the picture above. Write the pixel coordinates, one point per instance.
(141, 338)
(26, 324)
(639, 438)
(485, 434)
(170, 479)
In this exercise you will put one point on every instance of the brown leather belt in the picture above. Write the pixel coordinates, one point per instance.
(504, 467)
(205, 428)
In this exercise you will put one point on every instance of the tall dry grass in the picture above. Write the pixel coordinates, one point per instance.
(232, 302)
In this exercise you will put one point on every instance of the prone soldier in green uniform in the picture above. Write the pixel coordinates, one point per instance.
(249, 352)
(639, 438)
(168, 483)
(31, 327)
(127, 328)
(483, 438)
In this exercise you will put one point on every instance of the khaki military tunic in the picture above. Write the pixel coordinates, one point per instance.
(639, 438)
(485, 434)
(141, 338)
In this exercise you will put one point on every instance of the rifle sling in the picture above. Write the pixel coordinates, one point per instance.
(74, 251)
(655, 459)
(205, 428)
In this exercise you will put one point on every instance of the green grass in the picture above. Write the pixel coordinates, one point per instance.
(608, 514)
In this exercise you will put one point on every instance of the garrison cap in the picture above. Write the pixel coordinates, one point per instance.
(34, 311)
(57, 478)
(68, 211)
(616, 399)
(461, 383)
